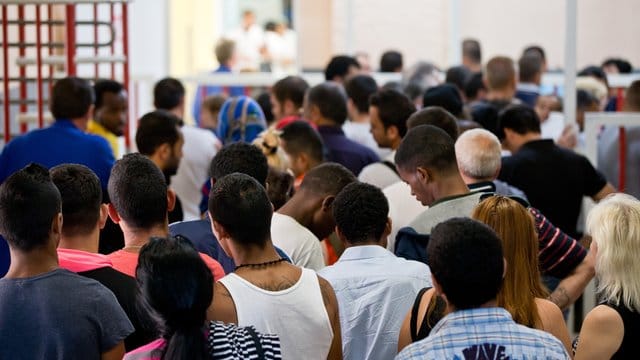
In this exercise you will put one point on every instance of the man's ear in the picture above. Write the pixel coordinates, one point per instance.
(392, 132)
(171, 200)
(113, 214)
(163, 151)
(288, 107)
(423, 174)
(104, 213)
(327, 203)
(56, 227)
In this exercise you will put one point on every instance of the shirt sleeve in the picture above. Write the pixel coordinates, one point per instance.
(559, 253)
(214, 266)
(594, 180)
(113, 324)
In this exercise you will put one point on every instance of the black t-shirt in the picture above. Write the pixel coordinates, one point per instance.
(630, 348)
(554, 180)
(124, 288)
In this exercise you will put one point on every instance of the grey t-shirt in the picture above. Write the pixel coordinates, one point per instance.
(59, 315)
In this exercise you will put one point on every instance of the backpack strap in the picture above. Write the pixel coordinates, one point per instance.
(256, 339)
(391, 166)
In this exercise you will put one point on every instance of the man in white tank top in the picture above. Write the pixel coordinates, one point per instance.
(265, 291)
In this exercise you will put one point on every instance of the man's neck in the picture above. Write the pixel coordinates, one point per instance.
(500, 95)
(254, 254)
(325, 122)
(489, 304)
(88, 243)
(135, 238)
(471, 180)
(452, 185)
(359, 118)
(301, 208)
(33, 263)
(526, 138)
(80, 123)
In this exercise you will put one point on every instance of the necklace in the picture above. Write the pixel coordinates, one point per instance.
(132, 247)
(259, 265)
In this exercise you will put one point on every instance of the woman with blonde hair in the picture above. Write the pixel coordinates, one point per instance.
(522, 293)
(612, 329)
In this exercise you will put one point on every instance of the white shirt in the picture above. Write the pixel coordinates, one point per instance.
(302, 246)
(379, 174)
(248, 45)
(361, 133)
(200, 146)
(297, 314)
(282, 51)
(403, 208)
(375, 290)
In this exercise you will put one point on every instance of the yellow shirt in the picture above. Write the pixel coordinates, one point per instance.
(97, 129)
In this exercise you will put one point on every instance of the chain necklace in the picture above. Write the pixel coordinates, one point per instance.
(260, 265)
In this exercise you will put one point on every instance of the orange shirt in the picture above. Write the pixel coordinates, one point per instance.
(126, 262)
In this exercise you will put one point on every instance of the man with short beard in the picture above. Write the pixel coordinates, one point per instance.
(160, 139)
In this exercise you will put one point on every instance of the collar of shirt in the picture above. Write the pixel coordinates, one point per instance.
(330, 130)
(471, 317)
(482, 186)
(360, 252)
(528, 87)
(538, 144)
(64, 124)
(81, 261)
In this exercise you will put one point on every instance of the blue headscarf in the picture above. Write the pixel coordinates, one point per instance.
(240, 119)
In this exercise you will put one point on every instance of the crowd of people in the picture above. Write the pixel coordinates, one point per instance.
(412, 220)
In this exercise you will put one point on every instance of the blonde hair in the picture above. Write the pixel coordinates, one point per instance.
(614, 224)
(522, 283)
(269, 142)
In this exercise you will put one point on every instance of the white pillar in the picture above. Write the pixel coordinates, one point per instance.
(570, 54)
(454, 55)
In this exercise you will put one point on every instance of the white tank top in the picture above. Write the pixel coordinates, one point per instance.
(297, 315)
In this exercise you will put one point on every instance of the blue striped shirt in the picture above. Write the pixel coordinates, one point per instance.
(484, 333)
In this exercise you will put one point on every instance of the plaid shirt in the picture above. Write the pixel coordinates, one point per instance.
(484, 333)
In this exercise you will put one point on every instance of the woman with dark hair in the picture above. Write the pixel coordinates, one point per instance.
(175, 289)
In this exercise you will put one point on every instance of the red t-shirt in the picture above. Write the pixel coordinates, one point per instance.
(126, 262)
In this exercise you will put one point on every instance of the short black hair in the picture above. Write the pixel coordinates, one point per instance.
(138, 191)
(446, 96)
(71, 98)
(520, 118)
(241, 205)
(596, 72)
(359, 88)
(391, 61)
(477, 252)
(529, 66)
(240, 158)
(339, 66)
(105, 86)
(474, 85)
(168, 93)
(290, 88)
(331, 101)
(29, 202)
(81, 195)
(535, 50)
(623, 66)
(264, 101)
(394, 108)
(280, 187)
(438, 117)
(471, 49)
(584, 99)
(361, 212)
(156, 128)
(327, 179)
(458, 76)
(427, 146)
(299, 137)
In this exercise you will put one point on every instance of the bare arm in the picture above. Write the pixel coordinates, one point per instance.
(601, 335)
(222, 307)
(572, 286)
(553, 322)
(604, 192)
(331, 304)
(114, 354)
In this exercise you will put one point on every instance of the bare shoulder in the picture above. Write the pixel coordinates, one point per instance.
(222, 307)
(328, 295)
(605, 317)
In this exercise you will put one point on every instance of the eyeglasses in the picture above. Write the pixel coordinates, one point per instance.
(517, 199)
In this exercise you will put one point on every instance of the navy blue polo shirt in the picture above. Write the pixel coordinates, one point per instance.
(345, 151)
(58, 144)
